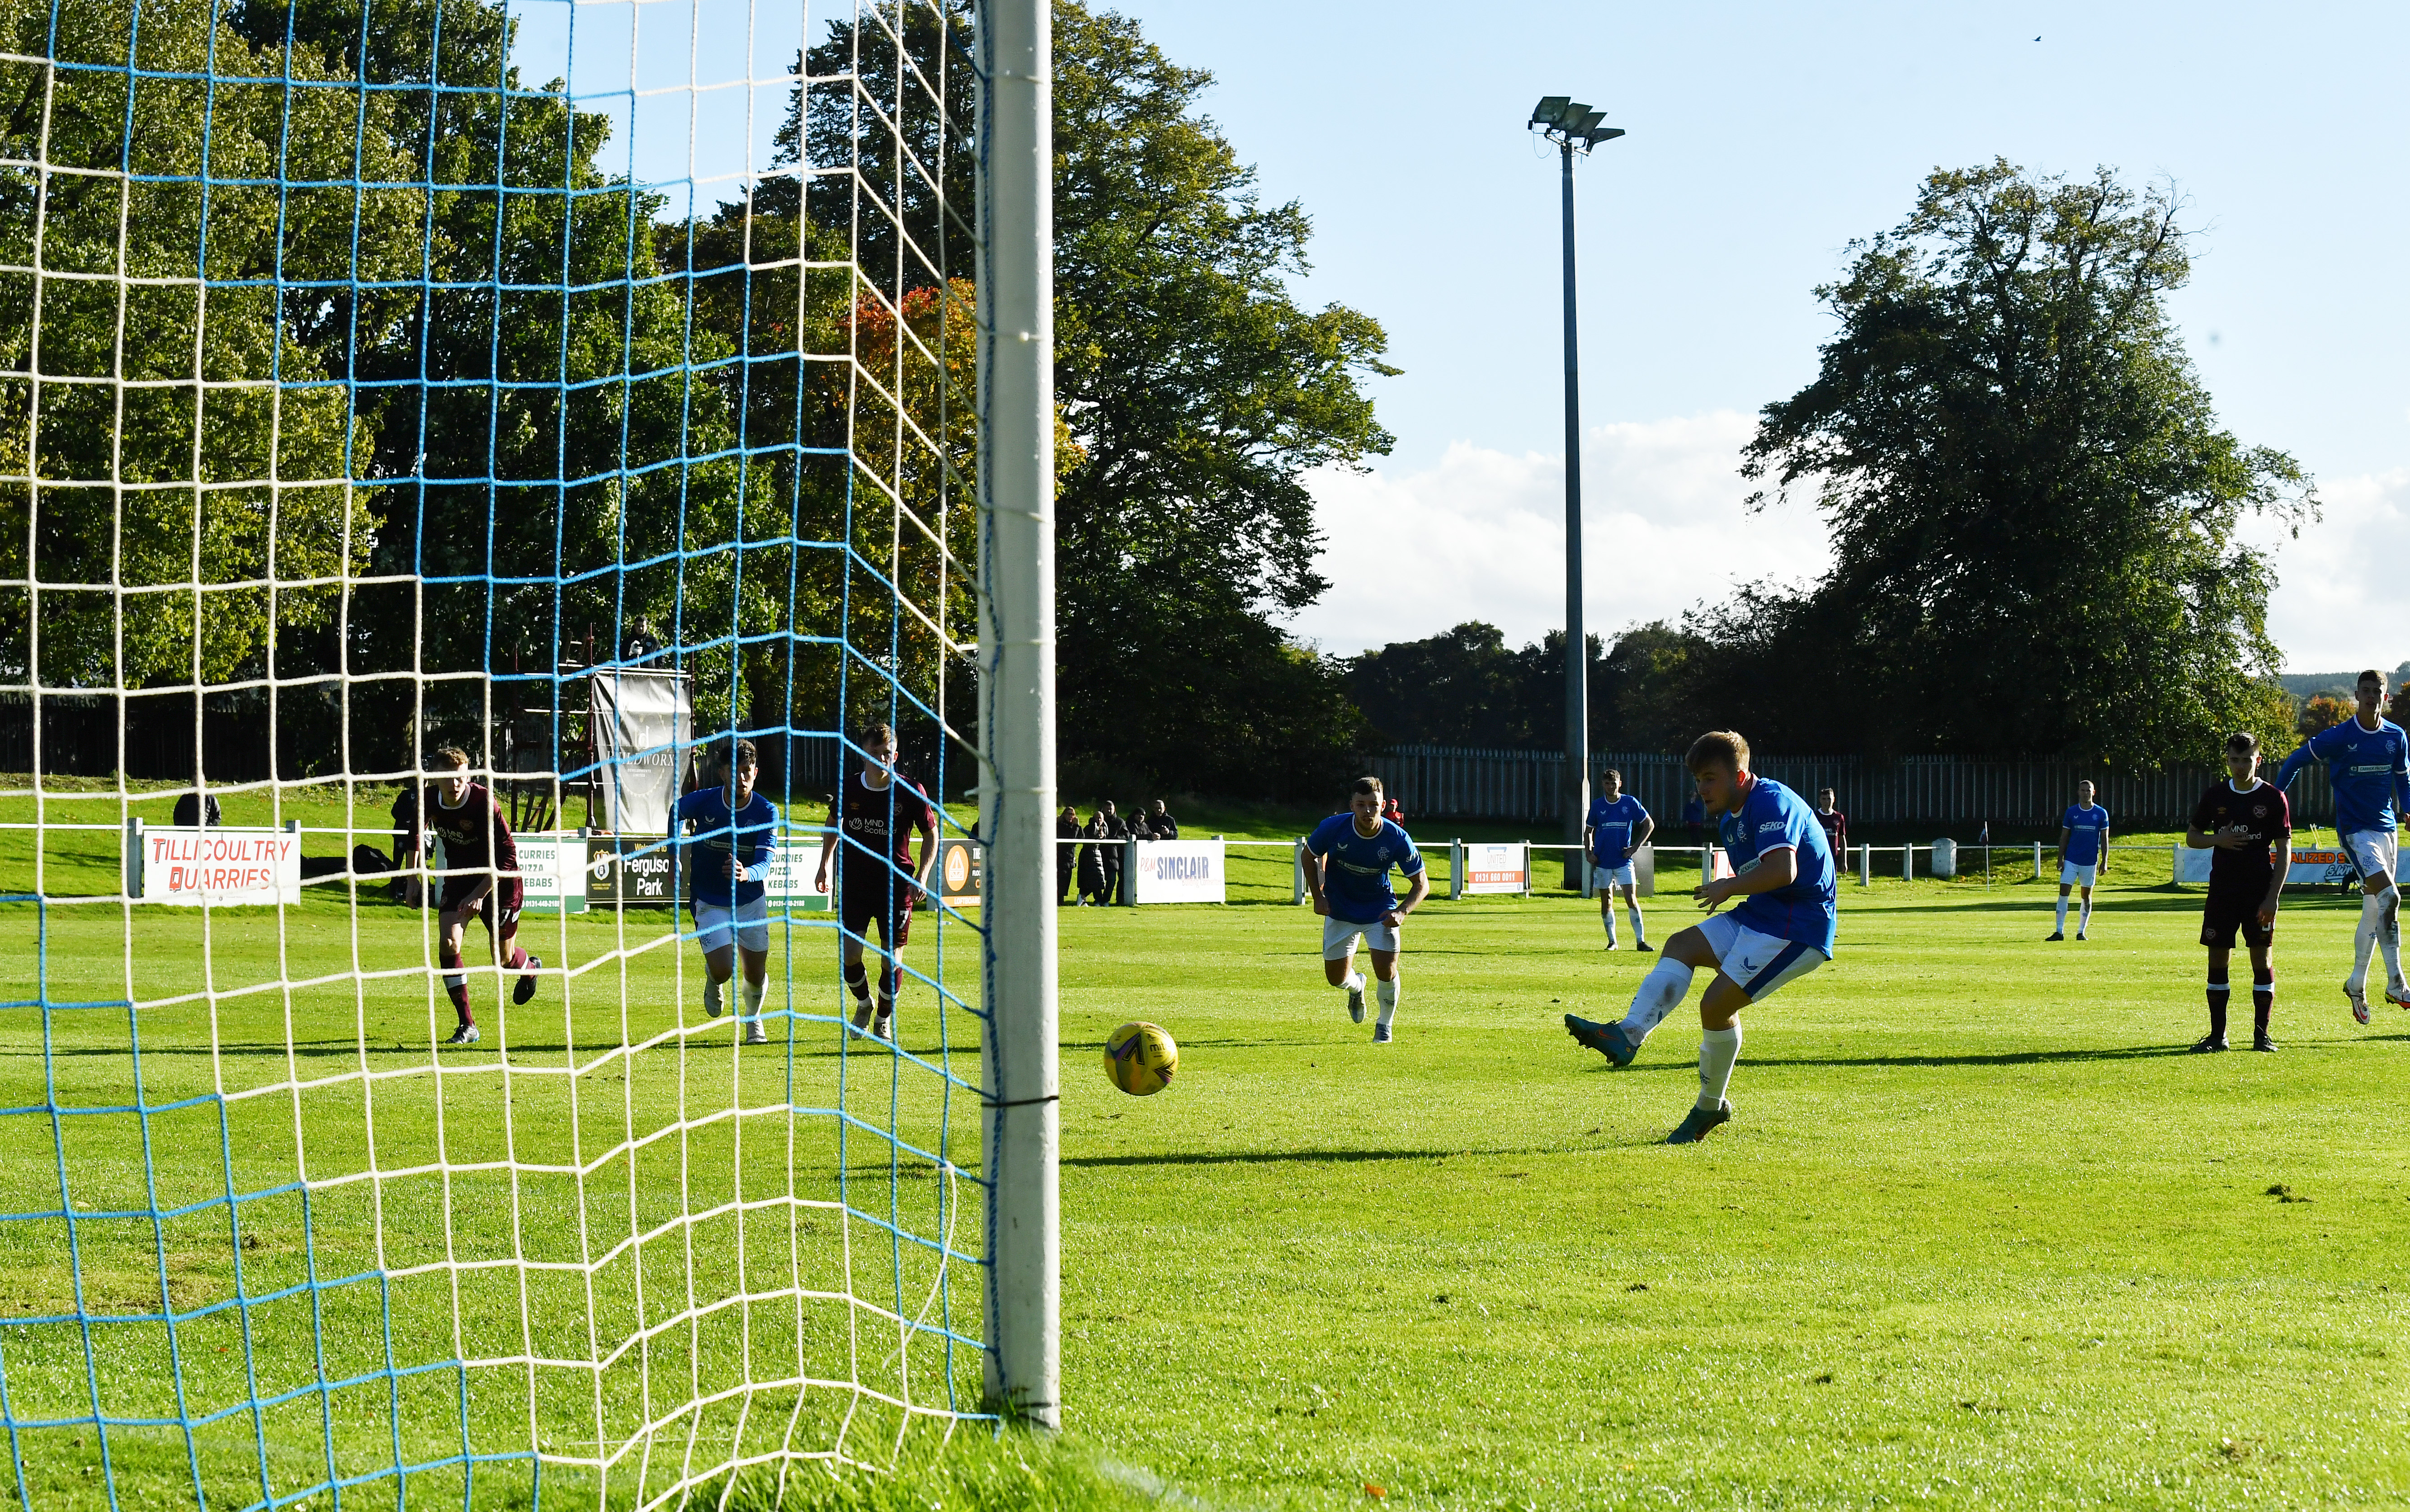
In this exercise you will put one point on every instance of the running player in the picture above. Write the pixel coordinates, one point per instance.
(1349, 879)
(481, 877)
(1783, 929)
(1617, 828)
(732, 827)
(2083, 856)
(877, 812)
(2368, 763)
(2243, 820)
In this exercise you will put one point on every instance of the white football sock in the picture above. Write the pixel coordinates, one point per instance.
(1639, 930)
(1388, 995)
(753, 992)
(1355, 983)
(1718, 1050)
(2062, 915)
(1660, 992)
(2083, 919)
(2363, 940)
(1606, 917)
(2389, 935)
(711, 995)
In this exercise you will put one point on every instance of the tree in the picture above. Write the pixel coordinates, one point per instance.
(2323, 712)
(2033, 510)
(1198, 393)
(1467, 687)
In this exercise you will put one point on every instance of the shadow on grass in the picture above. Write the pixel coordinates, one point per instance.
(1251, 1157)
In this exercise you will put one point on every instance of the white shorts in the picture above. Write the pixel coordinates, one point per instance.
(748, 924)
(2071, 875)
(1339, 937)
(1759, 965)
(2373, 850)
(1604, 875)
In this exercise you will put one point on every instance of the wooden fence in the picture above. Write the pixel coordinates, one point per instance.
(1463, 783)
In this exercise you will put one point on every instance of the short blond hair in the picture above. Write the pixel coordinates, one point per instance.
(1718, 748)
(449, 756)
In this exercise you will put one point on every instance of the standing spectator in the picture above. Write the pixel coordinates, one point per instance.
(1837, 826)
(196, 808)
(1161, 825)
(1092, 861)
(1393, 812)
(1067, 857)
(1116, 831)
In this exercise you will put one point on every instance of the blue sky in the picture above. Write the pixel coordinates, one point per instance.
(1763, 138)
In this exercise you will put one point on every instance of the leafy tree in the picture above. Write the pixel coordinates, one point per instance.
(2323, 712)
(180, 442)
(2033, 510)
(1467, 687)
(1197, 392)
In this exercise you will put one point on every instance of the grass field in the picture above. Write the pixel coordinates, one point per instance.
(1979, 1233)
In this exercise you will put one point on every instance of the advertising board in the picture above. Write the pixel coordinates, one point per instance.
(222, 866)
(1496, 867)
(631, 871)
(1178, 871)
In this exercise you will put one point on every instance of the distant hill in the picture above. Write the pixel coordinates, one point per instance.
(2302, 685)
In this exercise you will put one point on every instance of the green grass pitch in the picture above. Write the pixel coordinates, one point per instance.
(1979, 1235)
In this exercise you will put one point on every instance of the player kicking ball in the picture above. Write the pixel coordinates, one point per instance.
(1783, 929)
(876, 813)
(732, 827)
(2083, 856)
(481, 881)
(2250, 827)
(2368, 764)
(1349, 879)
(1617, 828)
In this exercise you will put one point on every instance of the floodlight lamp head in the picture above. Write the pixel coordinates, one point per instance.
(1544, 113)
(1600, 134)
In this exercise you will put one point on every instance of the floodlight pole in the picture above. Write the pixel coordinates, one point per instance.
(1017, 1068)
(1576, 795)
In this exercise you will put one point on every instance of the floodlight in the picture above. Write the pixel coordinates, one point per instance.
(1571, 116)
(1546, 112)
(1600, 134)
(1586, 124)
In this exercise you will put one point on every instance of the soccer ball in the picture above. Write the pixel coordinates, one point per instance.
(1141, 1057)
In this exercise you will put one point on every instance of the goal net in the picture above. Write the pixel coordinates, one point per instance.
(579, 387)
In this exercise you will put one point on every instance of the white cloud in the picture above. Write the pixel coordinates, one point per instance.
(1481, 536)
(2337, 604)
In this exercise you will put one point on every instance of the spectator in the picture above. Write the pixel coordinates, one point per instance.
(1160, 824)
(1067, 857)
(1116, 831)
(1092, 861)
(196, 808)
(1393, 813)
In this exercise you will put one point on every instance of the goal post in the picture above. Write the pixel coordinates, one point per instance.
(1017, 688)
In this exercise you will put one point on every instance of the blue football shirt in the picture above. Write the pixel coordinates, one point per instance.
(2085, 827)
(1356, 881)
(2369, 770)
(717, 835)
(1774, 818)
(1612, 825)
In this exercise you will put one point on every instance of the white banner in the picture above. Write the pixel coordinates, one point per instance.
(1496, 867)
(643, 722)
(2312, 867)
(552, 871)
(789, 881)
(1178, 871)
(220, 868)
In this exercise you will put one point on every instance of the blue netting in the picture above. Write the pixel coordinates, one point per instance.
(583, 387)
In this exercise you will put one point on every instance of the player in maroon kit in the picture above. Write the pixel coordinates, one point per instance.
(2249, 826)
(877, 812)
(481, 865)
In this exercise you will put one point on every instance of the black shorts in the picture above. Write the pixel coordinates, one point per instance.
(2222, 918)
(858, 907)
(499, 908)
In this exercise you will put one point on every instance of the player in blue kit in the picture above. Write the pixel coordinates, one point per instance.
(1783, 929)
(1615, 829)
(1349, 879)
(730, 828)
(2368, 763)
(2083, 856)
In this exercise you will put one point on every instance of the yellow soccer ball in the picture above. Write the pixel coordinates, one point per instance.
(1141, 1058)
